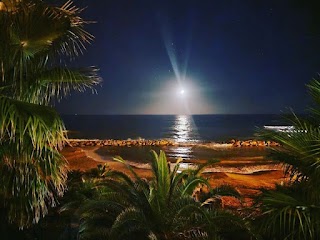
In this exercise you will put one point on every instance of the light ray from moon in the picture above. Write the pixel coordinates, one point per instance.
(180, 77)
(179, 71)
(190, 99)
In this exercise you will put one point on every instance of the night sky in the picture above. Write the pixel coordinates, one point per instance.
(229, 57)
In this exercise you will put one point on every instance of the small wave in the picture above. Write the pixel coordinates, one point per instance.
(139, 165)
(285, 129)
(180, 152)
(246, 170)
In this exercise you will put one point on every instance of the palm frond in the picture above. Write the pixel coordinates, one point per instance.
(300, 151)
(59, 82)
(30, 182)
(288, 215)
(21, 122)
(207, 198)
(314, 90)
(36, 41)
(128, 222)
(121, 160)
(73, 42)
(191, 183)
(161, 172)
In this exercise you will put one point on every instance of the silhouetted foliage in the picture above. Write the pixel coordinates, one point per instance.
(292, 211)
(37, 42)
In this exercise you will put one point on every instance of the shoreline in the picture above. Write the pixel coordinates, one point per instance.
(248, 169)
(243, 166)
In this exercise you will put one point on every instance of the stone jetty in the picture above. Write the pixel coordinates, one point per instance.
(119, 143)
(253, 143)
(165, 142)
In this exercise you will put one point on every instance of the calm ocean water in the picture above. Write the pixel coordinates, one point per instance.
(181, 128)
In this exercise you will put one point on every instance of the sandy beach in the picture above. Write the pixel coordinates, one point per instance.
(246, 169)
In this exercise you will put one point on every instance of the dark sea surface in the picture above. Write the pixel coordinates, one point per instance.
(181, 128)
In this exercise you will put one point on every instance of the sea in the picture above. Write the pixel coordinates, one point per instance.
(181, 128)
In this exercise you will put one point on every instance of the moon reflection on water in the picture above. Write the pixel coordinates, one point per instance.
(184, 129)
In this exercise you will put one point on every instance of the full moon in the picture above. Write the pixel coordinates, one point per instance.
(181, 92)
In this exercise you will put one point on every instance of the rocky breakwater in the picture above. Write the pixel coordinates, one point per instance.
(119, 143)
(253, 143)
(167, 142)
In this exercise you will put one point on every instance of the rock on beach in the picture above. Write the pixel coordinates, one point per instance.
(164, 142)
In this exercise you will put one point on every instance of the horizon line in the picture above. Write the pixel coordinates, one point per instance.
(197, 114)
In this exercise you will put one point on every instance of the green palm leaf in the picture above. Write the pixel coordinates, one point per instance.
(128, 221)
(26, 122)
(292, 211)
(59, 82)
(142, 210)
(37, 42)
(287, 214)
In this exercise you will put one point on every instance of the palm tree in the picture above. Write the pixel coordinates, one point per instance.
(162, 208)
(293, 211)
(37, 42)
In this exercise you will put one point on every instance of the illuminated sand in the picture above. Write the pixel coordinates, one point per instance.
(85, 158)
(247, 169)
